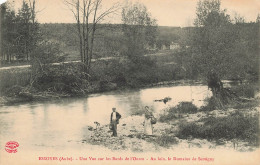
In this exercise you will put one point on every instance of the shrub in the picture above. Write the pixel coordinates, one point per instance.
(13, 78)
(247, 104)
(187, 107)
(245, 90)
(210, 105)
(166, 140)
(230, 127)
(182, 107)
(67, 78)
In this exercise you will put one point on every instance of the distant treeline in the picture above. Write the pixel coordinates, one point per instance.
(110, 38)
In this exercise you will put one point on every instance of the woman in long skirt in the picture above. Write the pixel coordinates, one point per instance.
(148, 128)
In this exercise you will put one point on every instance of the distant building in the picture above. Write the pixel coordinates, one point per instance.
(174, 46)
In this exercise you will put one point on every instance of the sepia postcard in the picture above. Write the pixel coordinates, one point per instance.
(129, 82)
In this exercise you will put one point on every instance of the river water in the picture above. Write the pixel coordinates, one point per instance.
(55, 123)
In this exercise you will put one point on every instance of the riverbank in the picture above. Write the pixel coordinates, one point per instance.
(22, 96)
(166, 135)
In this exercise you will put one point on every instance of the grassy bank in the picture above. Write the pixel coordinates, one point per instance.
(239, 122)
(232, 127)
(67, 80)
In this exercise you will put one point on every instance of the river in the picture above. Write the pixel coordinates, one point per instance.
(55, 123)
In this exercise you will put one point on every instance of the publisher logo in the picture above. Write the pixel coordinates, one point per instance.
(11, 146)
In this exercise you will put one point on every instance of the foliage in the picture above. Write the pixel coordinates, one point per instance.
(105, 75)
(213, 39)
(236, 126)
(13, 78)
(42, 59)
(139, 30)
(28, 31)
(243, 91)
(211, 104)
(248, 104)
(88, 14)
(247, 90)
(66, 78)
(184, 62)
(141, 72)
(181, 108)
(110, 40)
(20, 32)
(204, 9)
(222, 48)
(187, 107)
(8, 32)
(258, 18)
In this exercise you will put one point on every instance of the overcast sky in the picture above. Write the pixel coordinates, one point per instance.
(166, 12)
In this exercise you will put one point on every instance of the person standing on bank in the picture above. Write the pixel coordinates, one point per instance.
(114, 120)
(148, 121)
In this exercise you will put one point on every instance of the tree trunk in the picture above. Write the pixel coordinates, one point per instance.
(92, 37)
(216, 86)
(79, 31)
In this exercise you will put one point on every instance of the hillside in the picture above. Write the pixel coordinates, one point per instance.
(109, 38)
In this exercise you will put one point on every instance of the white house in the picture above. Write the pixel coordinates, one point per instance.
(174, 46)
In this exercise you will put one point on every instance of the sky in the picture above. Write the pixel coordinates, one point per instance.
(166, 12)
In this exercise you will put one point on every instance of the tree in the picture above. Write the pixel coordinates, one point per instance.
(2, 16)
(9, 33)
(214, 42)
(88, 15)
(24, 21)
(139, 34)
(204, 8)
(239, 19)
(258, 18)
(19, 31)
(140, 30)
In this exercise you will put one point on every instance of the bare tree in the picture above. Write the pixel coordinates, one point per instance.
(88, 14)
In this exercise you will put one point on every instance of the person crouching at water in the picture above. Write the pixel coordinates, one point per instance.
(148, 128)
(114, 120)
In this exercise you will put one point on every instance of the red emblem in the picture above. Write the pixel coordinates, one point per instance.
(11, 147)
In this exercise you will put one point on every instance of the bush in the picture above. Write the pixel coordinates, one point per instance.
(247, 104)
(13, 78)
(245, 90)
(230, 127)
(182, 107)
(187, 107)
(210, 105)
(166, 140)
(67, 78)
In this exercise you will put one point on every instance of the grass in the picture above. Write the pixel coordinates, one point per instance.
(247, 104)
(105, 75)
(210, 105)
(236, 126)
(165, 140)
(181, 108)
(246, 90)
(13, 78)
